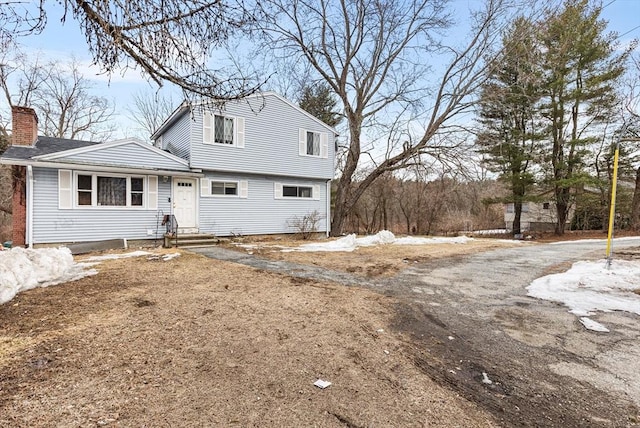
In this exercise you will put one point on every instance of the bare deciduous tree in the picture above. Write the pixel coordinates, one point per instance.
(67, 109)
(375, 56)
(150, 109)
(60, 95)
(169, 41)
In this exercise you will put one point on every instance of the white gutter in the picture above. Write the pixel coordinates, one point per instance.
(29, 231)
(101, 168)
(328, 220)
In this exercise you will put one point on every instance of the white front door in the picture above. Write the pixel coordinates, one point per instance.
(184, 202)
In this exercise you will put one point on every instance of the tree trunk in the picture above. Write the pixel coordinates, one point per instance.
(635, 206)
(562, 209)
(344, 199)
(517, 215)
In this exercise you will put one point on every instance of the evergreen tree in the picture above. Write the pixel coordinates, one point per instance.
(580, 67)
(318, 100)
(509, 115)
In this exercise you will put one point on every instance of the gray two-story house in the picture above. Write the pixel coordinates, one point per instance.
(244, 167)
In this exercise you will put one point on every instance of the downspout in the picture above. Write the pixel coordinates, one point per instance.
(328, 220)
(29, 230)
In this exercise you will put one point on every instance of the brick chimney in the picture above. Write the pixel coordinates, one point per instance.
(24, 132)
(25, 126)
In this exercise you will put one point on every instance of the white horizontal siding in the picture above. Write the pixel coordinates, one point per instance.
(51, 225)
(131, 155)
(271, 142)
(260, 212)
(177, 138)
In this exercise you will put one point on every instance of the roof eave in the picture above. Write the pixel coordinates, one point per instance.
(179, 111)
(100, 168)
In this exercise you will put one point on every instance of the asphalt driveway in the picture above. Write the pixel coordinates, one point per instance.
(473, 328)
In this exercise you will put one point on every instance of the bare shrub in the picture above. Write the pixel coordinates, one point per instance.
(307, 225)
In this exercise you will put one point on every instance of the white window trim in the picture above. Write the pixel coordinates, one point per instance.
(208, 122)
(278, 191)
(241, 185)
(147, 193)
(302, 143)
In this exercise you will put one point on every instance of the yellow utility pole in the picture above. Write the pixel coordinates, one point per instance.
(614, 182)
(612, 210)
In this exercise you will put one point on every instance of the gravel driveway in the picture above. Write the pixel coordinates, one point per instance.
(528, 361)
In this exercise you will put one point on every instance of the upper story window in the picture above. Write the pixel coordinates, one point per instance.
(222, 129)
(313, 143)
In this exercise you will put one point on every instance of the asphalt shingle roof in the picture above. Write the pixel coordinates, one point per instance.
(44, 146)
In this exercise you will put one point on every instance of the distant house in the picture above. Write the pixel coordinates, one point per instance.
(247, 167)
(535, 217)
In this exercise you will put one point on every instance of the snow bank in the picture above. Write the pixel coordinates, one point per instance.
(590, 286)
(346, 243)
(351, 242)
(24, 269)
(380, 238)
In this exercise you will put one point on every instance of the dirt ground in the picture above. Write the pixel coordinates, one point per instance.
(370, 262)
(198, 342)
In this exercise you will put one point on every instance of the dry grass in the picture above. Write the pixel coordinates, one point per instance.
(384, 260)
(198, 342)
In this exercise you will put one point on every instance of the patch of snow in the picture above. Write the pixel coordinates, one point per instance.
(170, 256)
(590, 286)
(116, 256)
(23, 269)
(590, 324)
(381, 238)
(412, 240)
(351, 242)
(346, 243)
(490, 232)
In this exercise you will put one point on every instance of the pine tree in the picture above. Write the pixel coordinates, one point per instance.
(580, 67)
(318, 100)
(509, 114)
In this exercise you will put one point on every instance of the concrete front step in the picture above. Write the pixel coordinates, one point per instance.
(190, 239)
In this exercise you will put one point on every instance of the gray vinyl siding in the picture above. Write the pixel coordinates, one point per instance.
(52, 225)
(260, 212)
(177, 137)
(126, 155)
(271, 141)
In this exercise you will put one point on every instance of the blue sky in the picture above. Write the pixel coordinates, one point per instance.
(64, 41)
